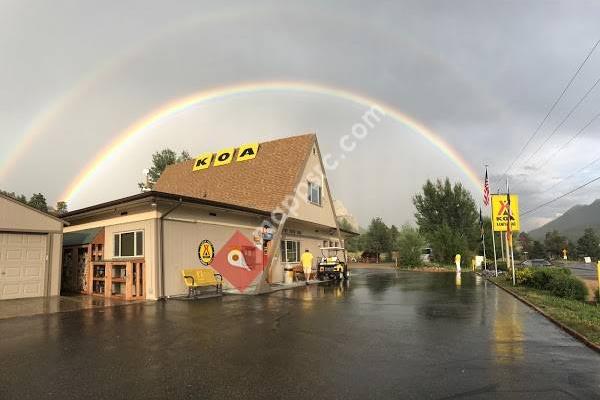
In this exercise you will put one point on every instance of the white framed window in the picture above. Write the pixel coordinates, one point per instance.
(290, 251)
(129, 244)
(314, 193)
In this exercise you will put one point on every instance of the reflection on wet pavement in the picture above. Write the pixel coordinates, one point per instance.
(384, 334)
(508, 333)
(55, 304)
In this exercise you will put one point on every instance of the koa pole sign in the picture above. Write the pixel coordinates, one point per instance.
(500, 213)
(223, 157)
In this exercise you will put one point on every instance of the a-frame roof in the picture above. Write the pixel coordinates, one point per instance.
(261, 183)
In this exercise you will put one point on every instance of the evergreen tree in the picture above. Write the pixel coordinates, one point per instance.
(18, 197)
(555, 243)
(587, 245)
(160, 161)
(38, 201)
(378, 238)
(537, 250)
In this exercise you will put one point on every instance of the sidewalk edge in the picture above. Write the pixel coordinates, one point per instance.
(562, 326)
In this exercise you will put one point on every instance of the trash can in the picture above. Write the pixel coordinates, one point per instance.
(288, 273)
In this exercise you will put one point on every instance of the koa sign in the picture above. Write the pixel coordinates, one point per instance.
(226, 156)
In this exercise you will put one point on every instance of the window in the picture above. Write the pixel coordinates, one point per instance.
(290, 251)
(129, 244)
(314, 193)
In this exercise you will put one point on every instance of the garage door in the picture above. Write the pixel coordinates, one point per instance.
(22, 265)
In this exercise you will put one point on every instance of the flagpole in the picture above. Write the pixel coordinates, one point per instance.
(509, 244)
(484, 257)
(494, 242)
(482, 238)
(512, 258)
(486, 202)
(501, 237)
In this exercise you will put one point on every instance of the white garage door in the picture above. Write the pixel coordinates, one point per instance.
(22, 265)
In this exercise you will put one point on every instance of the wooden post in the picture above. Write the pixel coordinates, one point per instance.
(128, 280)
(90, 279)
(108, 279)
(138, 272)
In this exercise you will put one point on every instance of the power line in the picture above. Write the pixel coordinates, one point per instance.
(564, 120)
(560, 197)
(535, 132)
(572, 175)
(564, 145)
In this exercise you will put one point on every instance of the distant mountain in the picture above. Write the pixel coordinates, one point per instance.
(573, 222)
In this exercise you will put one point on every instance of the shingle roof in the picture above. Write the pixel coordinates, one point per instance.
(261, 183)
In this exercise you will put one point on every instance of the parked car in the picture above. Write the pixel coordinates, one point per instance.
(536, 262)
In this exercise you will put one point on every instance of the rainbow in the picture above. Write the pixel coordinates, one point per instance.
(176, 106)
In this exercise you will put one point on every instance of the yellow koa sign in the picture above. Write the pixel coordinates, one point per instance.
(500, 214)
(226, 156)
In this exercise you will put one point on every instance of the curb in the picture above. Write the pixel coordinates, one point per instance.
(562, 326)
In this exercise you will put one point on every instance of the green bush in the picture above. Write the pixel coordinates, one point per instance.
(410, 245)
(557, 281)
(568, 287)
(524, 276)
(543, 276)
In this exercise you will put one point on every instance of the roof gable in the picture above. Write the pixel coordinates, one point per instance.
(15, 215)
(261, 183)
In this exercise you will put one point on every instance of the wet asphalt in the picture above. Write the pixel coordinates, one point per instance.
(384, 334)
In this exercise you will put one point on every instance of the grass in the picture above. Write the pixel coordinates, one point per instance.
(583, 318)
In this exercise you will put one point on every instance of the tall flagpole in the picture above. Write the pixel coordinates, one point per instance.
(509, 244)
(487, 190)
(493, 239)
(502, 246)
(482, 239)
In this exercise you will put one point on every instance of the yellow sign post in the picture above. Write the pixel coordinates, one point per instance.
(500, 215)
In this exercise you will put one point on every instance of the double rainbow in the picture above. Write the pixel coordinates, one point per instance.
(169, 109)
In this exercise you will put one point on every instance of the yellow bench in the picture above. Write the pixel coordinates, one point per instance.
(196, 278)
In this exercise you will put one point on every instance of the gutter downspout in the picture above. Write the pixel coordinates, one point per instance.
(162, 250)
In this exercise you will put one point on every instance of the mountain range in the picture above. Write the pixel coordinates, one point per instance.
(573, 222)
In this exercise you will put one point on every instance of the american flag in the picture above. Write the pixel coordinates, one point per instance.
(486, 190)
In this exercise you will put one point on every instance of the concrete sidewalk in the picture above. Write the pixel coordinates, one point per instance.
(55, 304)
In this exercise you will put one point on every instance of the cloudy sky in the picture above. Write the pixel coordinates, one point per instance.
(480, 74)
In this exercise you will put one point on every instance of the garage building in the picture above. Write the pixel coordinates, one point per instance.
(211, 212)
(30, 251)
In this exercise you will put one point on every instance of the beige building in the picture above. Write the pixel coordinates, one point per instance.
(30, 251)
(211, 213)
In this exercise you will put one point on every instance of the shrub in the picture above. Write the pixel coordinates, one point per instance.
(568, 287)
(543, 276)
(410, 245)
(557, 281)
(524, 276)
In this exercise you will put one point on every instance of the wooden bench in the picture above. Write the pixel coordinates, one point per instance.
(196, 278)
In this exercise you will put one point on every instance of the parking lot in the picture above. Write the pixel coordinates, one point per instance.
(384, 334)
